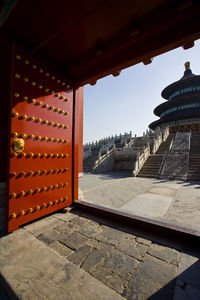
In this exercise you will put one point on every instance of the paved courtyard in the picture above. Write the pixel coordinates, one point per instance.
(73, 255)
(172, 201)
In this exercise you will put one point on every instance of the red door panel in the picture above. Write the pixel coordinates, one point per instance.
(40, 175)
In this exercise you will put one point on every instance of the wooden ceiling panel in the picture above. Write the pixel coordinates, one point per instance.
(90, 39)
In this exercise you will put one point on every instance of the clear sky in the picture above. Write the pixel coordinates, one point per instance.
(119, 104)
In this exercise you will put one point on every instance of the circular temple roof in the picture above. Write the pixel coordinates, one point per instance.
(182, 97)
(180, 83)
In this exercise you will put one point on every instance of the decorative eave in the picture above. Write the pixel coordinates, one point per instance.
(180, 84)
(158, 110)
(159, 122)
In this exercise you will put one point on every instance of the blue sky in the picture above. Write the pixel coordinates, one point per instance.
(120, 104)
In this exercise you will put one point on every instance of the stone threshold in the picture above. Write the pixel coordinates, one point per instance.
(169, 232)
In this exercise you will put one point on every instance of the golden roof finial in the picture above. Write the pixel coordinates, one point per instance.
(187, 65)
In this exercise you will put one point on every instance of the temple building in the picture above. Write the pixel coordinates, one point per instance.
(181, 111)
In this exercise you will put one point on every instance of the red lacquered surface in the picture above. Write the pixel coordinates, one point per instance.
(49, 178)
(77, 131)
(80, 129)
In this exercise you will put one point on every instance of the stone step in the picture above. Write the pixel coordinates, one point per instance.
(147, 175)
(194, 178)
(155, 172)
(194, 158)
(193, 173)
(154, 161)
(151, 166)
(194, 167)
(149, 172)
(150, 169)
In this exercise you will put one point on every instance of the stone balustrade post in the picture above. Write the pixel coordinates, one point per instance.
(148, 145)
(138, 159)
(99, 156)
(153, 148)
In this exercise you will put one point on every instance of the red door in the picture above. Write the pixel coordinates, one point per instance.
(40, 165)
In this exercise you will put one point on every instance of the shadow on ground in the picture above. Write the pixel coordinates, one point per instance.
(114, 175)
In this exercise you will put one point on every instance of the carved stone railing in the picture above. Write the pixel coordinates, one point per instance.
(124, 137)
(124, 153)
(130, 144)
(106, 147)
(188, 154)
(156, 143)
(140, 160)
(102, 159)
(86, 152)
(175, 161)
(165, 133)
(162, 163)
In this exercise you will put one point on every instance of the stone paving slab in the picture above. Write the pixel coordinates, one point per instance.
(112, 189)
(41, 225)
(151, 279)
(34, 271)
(149, 204)
(119, 190)
(169, 255)
(162, 190)
(88, 258)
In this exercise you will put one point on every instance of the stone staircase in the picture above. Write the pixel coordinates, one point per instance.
(153, 163)
(194, 157)
(88, 163)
